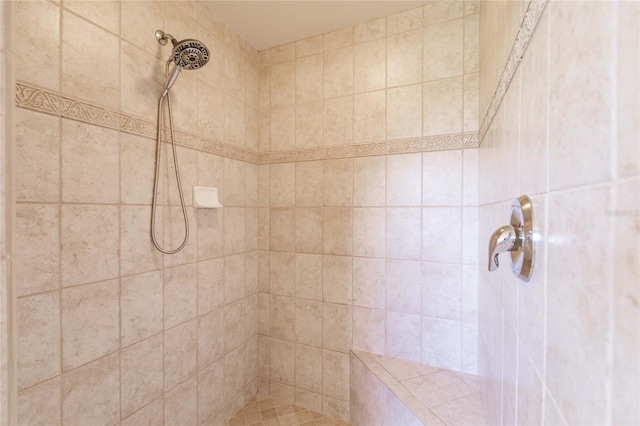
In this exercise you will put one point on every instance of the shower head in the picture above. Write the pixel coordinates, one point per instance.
(187, 54)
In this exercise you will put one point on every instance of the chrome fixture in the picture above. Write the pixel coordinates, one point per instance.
(189, 55)
(516, 238)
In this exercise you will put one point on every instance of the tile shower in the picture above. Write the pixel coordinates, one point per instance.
(351, 178)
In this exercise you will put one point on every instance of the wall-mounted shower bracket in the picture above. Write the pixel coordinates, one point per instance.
(516, 238)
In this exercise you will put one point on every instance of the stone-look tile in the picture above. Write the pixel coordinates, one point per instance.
(338, 121)
(141, 374)
(235, 74)
(529, 410)
(181, 404)
(309, 77)
(36, 254)
(338, 72)
(40, 404)
(370, 30)
(89, 241)
(37, 152)
(282, 272)
(369, 181)
(335, 408)
(404, 58)
(442, 108)
(402, 369)
(470, 107)
(403, 233)
(234, 325)
(441, 343)
(234, 230)
(308, 368)
(91, 393)
(210, 278)
(180, 294)
(263, 271)
(338, 38)
(336, 327)
(90, 322)
(40, 63)
(439, 12)
(264, 319)
(309, 183)
(283, 317)
(369, 282)
(139, 20)
(210, 232)
(309, 46)
(442, 178)
(251, 176)
(442, 290)
(137, 253)
(471, 43)
(282, 185)
(369, 112)
(283, 90)
(309, 276)
(337, 272)
(234, 121)
(338, 182)
(283, 128)
(369, 72)
(211, 99)
(234, 183)
(443, 48)
(152, 414)
(466, 410)
(441, 224)
(338, 230)
(369, 329)
(470, 177)
(210, 337)
(395, 411)
(404, 21)
(174, 235)
(438, 388)
(141, 74)
(137, 169)
(403, 180)
(309, 123)
(282, 360)
(141, 306)
(180, 352)
(369, 232)
(308, 322)
(283, 53)
(404, 112)
(210, 394)
(89, 73)
(282, 233)
(282, 391)
(335, 375)
(309, 229)
(187, 162)
(38, 338)
(403, 290)
(403, 336)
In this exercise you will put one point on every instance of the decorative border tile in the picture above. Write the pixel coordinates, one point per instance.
(531, 18)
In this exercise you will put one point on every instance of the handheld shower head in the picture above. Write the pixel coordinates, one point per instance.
(187, 54)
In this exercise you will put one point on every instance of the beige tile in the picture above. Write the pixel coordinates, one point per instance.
(308, 322)
(370, 30)
(335, 408)
(404, 112)
(402, 369)
(337, 273)
(338, 182)
(235, 74)
(213, 73)
(309, 276)
(212, 123)
(210, 277)
(283, 128)
(403, 290)
(180, 352)
(403, 233)
(309, 183)
(283, 53)
(335, 375)
(338, 38)
(471, 44)
(283, 235)
(137, 169)
(234, 277)
(210, 335)
(309, 120)
(90, 322)
(442, 291)
(36, 248)
(210, 394)
(264, 172)
(210, 232)
(234, 325)
(370, 66)
(283, 317)
(369, 112)
(139, 20)
(263, 271)
(369, 232)
(308, 368)
(442, 178)
(38, 338)
(152, 414)
(234, 183)
(37, 156)
(439, 224)
(337, 126)
(441, 343)
(141, 75)
(181, 404)
(309, 78)
(437, 388)
(404, 58)
(471, 93)
(141, 374)
(283, 89)
(264, 225)
(369, 181)
(40, 404)
(234, 230)
(443, 101)
(282, 269)
(141, 311)
(39, 62)
(282, 361)
(90, 74)
(443, 46)
(234, 121)
(90, 394)
(403, 180)
(338, 72)
(369, 282)
(188, 164)
(439, 12)
(403, 336)
(174, 235)
(309, 46)
(338, 230)
(404, 21)
(180, 294)
(336, 327)
(282, 185)
(309, 230)
(368, 329)
(137, 253)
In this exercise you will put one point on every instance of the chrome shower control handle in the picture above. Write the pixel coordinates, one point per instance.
(516, 238)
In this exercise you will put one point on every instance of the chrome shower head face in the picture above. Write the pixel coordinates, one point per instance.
(190, 54)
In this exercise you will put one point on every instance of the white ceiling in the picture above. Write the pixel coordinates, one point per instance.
(267, 23)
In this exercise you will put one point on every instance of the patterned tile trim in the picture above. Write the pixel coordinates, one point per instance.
(47, 102)
(528, 25)
(429, 143)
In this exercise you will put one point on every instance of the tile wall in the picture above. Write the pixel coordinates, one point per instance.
(109, 329)
(376, 253)
(563, 348)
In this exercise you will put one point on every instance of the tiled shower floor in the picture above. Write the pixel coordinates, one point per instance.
(272, 412)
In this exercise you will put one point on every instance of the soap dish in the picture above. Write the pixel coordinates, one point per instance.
(205, 197)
